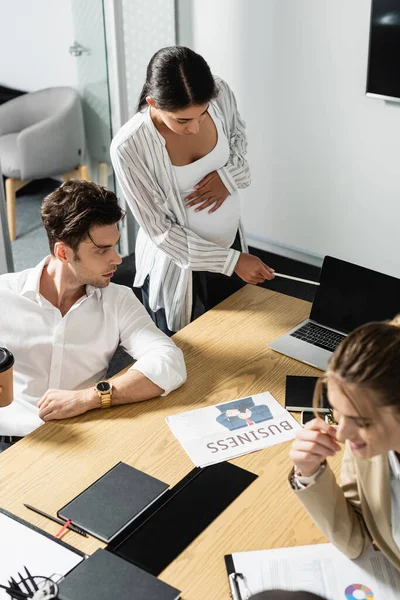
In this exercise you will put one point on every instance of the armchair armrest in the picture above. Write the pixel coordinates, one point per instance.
(12, 115)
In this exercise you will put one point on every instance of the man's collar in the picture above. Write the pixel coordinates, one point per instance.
(32, 283)
(90, 290)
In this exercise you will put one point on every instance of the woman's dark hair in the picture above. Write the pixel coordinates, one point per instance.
(72, 209)
(177, 78)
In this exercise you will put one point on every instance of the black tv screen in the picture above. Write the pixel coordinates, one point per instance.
(383, 77)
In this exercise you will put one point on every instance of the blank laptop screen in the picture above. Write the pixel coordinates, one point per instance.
(349, 296)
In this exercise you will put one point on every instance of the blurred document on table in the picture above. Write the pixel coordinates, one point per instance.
(321, 569)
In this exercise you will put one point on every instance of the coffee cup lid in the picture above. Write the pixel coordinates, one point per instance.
(6, 359)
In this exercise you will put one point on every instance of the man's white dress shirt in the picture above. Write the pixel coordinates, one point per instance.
(73, 352)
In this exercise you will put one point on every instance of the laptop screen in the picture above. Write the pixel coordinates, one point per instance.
(349, 296)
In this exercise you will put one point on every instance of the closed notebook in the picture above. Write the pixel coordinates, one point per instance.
(112, 502)
(104, 576)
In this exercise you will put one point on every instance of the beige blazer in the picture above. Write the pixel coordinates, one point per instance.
(356, 512)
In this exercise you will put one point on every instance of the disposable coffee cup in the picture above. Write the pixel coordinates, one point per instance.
(6, 377)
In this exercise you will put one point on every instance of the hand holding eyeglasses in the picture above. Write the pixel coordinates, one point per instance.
(312, 446)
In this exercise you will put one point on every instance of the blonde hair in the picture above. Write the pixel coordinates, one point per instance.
(368, 358)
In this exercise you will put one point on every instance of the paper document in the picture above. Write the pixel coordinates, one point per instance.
(22, 546)
(321, 569)
(217, 433)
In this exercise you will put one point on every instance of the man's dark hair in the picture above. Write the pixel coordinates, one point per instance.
(74, 208)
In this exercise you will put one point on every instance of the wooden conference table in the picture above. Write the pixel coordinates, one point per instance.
(227, 357)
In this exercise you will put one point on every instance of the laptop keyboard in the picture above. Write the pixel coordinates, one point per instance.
(318, 336)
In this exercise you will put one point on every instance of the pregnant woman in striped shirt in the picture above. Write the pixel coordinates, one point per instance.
(180, 162)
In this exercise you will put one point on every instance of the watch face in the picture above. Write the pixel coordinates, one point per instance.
(103, 386)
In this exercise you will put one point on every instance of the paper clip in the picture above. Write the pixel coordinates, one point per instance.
(235, 588)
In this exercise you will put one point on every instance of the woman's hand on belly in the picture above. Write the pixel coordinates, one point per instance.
(208, 192)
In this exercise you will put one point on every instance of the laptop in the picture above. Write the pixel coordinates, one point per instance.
(348, 296)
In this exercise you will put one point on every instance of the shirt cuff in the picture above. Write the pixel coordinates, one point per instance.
(299, 482)
(231, 261)
(166, 371)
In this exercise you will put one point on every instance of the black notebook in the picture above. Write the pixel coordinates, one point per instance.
(104, 576)
(112, 502)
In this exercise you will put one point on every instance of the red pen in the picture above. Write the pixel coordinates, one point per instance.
(63, 528)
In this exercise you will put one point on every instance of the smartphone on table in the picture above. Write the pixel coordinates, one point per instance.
(306, 415)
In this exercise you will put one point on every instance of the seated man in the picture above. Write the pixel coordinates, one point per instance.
(64, 319)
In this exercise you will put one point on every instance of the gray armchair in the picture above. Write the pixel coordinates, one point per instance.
(41, 135)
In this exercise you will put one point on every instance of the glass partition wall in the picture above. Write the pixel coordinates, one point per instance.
(101, 48)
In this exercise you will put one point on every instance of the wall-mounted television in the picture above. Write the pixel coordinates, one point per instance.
(383, 77)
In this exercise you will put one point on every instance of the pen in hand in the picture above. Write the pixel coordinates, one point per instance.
(309, 281)
(56, 520)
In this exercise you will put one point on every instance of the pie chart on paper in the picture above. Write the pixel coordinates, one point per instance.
(357, 591)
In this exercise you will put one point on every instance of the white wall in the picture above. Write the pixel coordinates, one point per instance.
(34, 41)
(325, 159)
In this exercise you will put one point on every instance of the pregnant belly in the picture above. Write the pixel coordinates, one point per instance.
(219, 227)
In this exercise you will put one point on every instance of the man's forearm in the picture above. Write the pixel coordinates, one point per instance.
(132, 386)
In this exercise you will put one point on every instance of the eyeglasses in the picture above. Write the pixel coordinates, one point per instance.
(330, 419)
(32, 586)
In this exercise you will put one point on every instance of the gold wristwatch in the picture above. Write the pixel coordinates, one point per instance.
(104, 390)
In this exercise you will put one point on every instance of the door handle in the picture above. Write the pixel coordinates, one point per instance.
(77, 49)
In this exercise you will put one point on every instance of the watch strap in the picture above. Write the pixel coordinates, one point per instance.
(105, 400)
(106, 396)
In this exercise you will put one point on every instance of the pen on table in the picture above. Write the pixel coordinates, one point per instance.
(296, 278)
(59, 521)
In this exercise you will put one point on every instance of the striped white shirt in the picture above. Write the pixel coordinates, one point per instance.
(165, 247)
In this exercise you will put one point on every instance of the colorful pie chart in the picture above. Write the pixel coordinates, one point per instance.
(357, 591)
